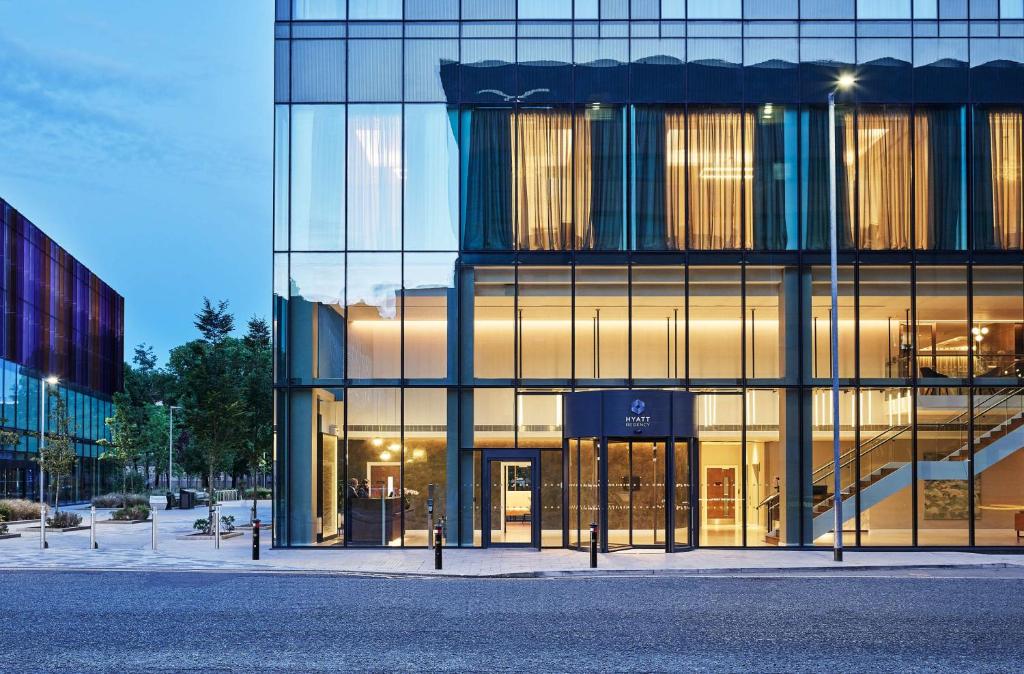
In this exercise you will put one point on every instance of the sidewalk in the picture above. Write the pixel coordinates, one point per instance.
(127, 547)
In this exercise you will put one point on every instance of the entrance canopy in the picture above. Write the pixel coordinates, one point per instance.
(630, 413)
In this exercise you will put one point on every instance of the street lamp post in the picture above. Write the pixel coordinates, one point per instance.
(170, 441)
(51, 381)
(845, 81)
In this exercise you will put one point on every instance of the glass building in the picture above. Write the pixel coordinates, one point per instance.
(60, 320)
(480, 206)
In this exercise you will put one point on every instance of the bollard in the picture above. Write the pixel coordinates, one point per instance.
(42, 527)
(255, 539)
(216, 527)
(437, 547)
(154, 530)
(92, 528)
(252, 513)
(593, 545)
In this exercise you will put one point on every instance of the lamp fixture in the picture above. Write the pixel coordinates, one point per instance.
(377, 442)
(845, 81)
(385, 455)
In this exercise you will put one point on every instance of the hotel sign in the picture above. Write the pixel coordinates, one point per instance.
(636, 420)
(611, 413)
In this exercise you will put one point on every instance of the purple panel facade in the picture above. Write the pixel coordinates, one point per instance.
(59, 317)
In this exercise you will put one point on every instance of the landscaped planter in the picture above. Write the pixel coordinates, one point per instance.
(113, 521)
(80, 527)
(209, 537)
(3, 536)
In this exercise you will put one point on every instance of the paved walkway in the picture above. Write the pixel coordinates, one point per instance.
(127, 546)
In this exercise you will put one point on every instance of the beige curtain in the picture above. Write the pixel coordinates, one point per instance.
(542, 179)
(675, 179)
(923, 226)
(583, 180)
(884, 171)
(1005, 129)
(717, 168)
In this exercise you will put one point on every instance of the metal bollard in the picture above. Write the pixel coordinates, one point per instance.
(252, 513)
(437, 547)
(92, 528)
(593, 545)
(42, 527)
(255, 539)
(216, 527)
(154, 530)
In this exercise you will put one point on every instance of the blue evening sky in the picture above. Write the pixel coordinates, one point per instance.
(139, 135)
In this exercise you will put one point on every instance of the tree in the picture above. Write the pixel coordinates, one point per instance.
(209, 373)
(123, 449)
(57, 455)
(258, 395)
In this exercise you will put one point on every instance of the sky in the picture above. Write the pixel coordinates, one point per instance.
(139, 135)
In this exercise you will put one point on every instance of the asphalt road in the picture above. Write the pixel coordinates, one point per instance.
(160, 621)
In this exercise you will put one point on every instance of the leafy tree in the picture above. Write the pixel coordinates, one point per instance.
(258, 396)
(8, 439)
(124, 447)
(209, 373)
(57, 455)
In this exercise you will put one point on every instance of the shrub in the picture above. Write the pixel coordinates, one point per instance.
(3, 525)
(64, 520)
(115, 500)
(135, 482)
(261, 493)
(14, 509)
(134, 512)
(227, 523)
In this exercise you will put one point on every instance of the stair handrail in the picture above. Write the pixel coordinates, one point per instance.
(828, 467)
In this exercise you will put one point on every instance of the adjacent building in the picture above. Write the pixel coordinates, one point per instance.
(483, 206)
(63, 330)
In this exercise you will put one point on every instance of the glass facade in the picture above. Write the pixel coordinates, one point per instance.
(60, 320)
(480, 206)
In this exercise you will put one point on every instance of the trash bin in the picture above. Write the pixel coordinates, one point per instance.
(186, 499)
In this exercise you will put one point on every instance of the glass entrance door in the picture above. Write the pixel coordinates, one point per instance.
(636, 493)
(511, 503)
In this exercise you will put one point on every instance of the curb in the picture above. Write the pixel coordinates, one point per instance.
(574, 573)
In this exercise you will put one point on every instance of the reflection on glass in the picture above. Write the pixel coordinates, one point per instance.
(317, 316)
(941, 327)
(375, 177)
(318, 177)
(493, 322)
(544, 321)
(429, 286)
(886, 339)
(374, 315)
(425, 446)
(602, 323)
(431, 178)
(374, 461)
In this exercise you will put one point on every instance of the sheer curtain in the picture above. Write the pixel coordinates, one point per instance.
(769, 181)
(542, 175)
(375, 177)
(883, 138)
(938, 179)
(816, 210)
(488, 184)
(719, 212)
(675, 179)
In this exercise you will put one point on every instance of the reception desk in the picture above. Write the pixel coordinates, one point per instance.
(375, 521)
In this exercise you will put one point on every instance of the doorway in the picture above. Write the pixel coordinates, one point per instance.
(636, 493)
(510, 499)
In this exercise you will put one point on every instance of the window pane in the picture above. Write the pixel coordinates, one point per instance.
(943, 450)
(815, 178)
(375, 9)
(940, 195)
(659, 161)
(318, 177)
(821, 323)
(926, 9)
(487, 179)
(720, 472)
(716, 320)
(281, 152)
(374, 315)
(998, 206)
(885, 452)
(424, 64)
(602, 323)
(375, 70)
(885, 331)
(600, 178)
(429, 284)
(431, 9)
(941, 323)
(659, 323)
(997, 466)
(717, 211)
(542, 179)
(884, 164)
(318, 9)
(545, 323)
(715, 9)
(432, 178)
(997, 329)
(425, 443)
(316, 316)
(492, 321)
(318, 71)
(765, 328)
(373, 442)
(883, 9)
(771, 179)
(545, 9)
(375, 177)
